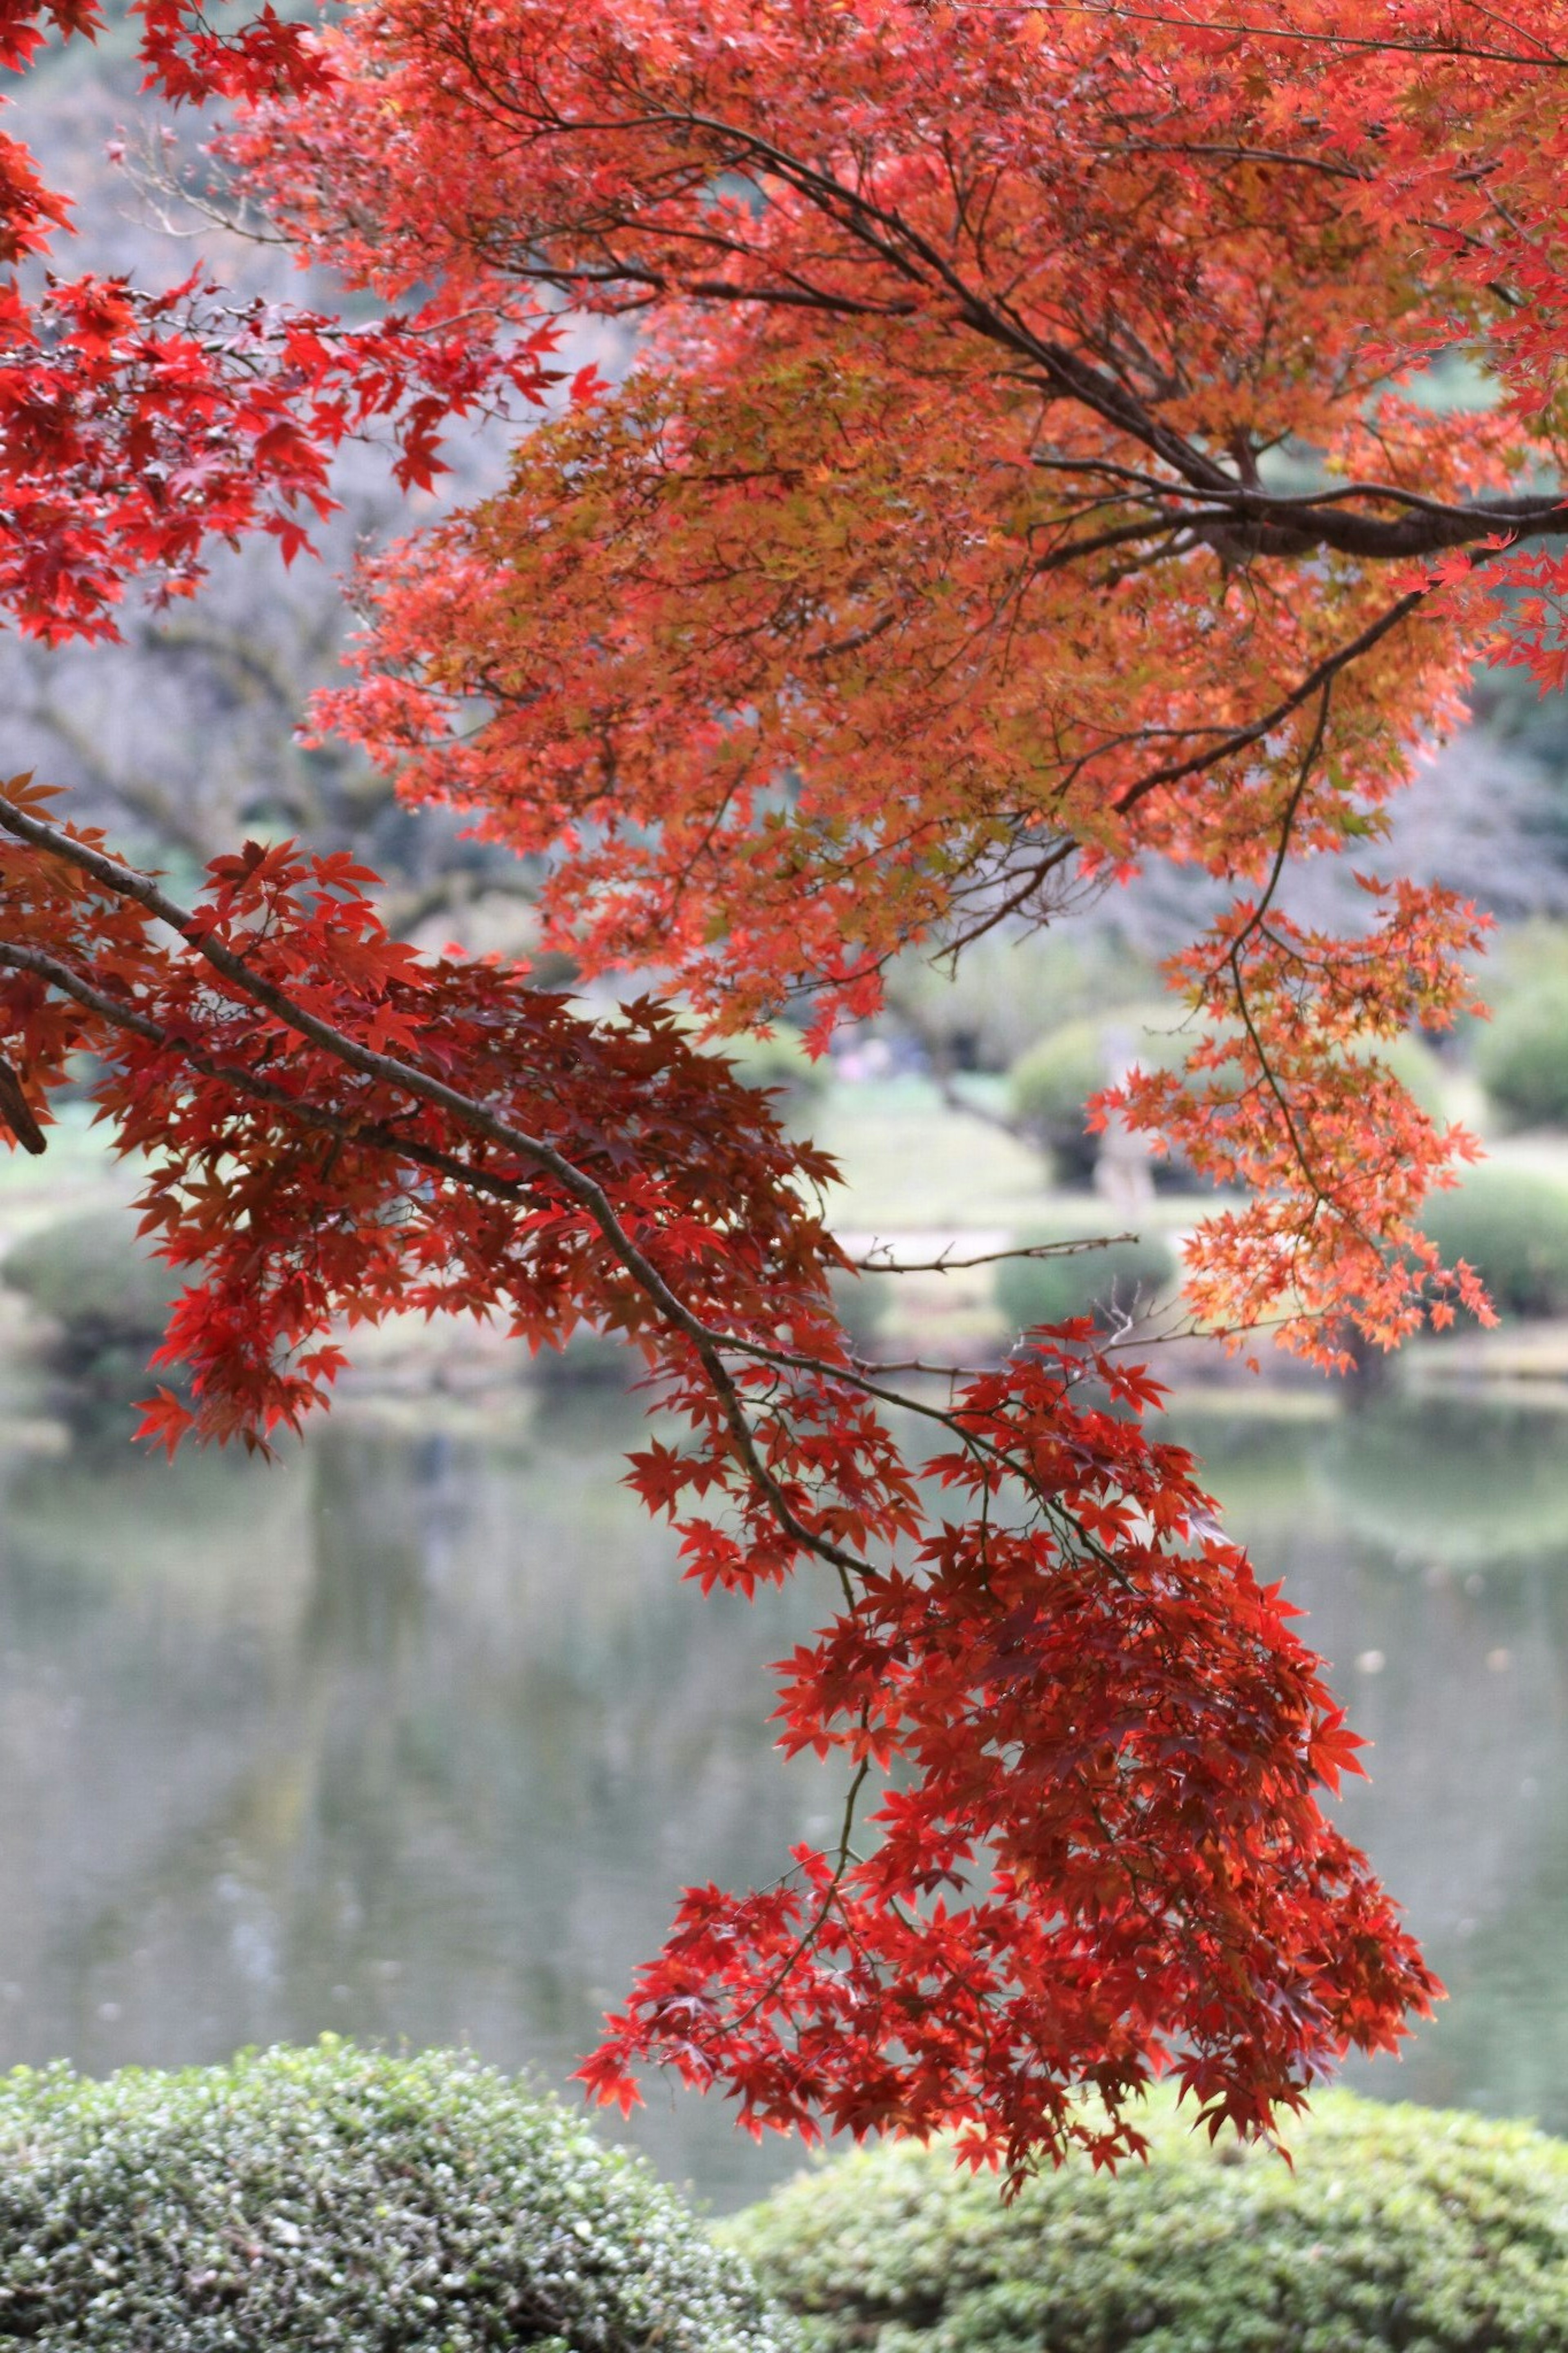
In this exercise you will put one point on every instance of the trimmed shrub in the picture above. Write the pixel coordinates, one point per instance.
(862, 1302)
(1522, 1056)
(1412, 1062)
(1401, 2230)
(92, 1274)
(1512, 1227)
(1123, 1278)
(298, 2201)
(1010, 989)
(599, 1362)
(781, 1063)
(109, 1299)
(1051, 1084)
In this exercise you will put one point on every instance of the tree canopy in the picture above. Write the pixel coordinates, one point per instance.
(1030, 464)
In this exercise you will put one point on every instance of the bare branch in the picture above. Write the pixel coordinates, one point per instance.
(875, 1263)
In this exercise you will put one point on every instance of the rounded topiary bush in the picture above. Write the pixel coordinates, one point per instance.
(1512, 1227)
(780, 1064)
(595, 1362)
(1412, 1062)
(1051, 1084)
(862, 1303)
(107, 1299)
(1522, 1056)
(298, 2201)
(1400, 2231)
(91, 1273)
(1123, 1278)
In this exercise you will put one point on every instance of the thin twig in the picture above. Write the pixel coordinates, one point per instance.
(946, 1264)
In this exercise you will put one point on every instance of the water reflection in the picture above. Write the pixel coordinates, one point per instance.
(1429, 1545)
(411, 1739)
(417, 1737)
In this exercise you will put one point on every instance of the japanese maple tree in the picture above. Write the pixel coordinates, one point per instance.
(1025, 471)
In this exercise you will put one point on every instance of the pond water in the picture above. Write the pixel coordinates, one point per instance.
(417, 1737)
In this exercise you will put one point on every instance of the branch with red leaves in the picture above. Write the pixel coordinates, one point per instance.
(137, 428)
(1098, 1852)
(135, 431)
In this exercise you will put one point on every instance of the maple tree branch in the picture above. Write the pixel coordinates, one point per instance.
(1308, 761)
(945, 1265)
(905, 248)
(1181, 529)
(124, 882)
(1314, 1183)
(408, 1078)
(1173, 772)
(845, 1856)
(1293, 522)
(1241, 738)
(249, 1082)
(1287, 526)
(708, 1343)
(1360, 44)
(1279, 156)
(1282, 526)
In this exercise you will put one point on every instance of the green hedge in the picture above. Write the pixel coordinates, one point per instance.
(1512, 1227)
(1522, 1056)
(863, 1303)
(1401, 2230)
(304, 2200)
(781, 1064)
(1125, 1276)
(1050, 1084)
(92, 1274)
(108, 1300)
(1412, 1062)
(592, 1363)
(1010, 989)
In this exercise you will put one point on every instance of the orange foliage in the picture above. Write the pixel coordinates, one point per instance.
(1025, 471)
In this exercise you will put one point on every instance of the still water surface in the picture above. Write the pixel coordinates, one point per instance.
(418, 1736)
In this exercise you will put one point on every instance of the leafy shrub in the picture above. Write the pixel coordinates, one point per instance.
(862, 1302)
(1521, 1057)
(1398, 2228)
(108, 1298)
(1526, 955)
(1512, 1227)
(1010, 989)
(598, 1362)
(1051, 1084)
(1412, 1062)
(781, 1062)
(91, 1273)
(1122, 1277)
(334, 2198)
